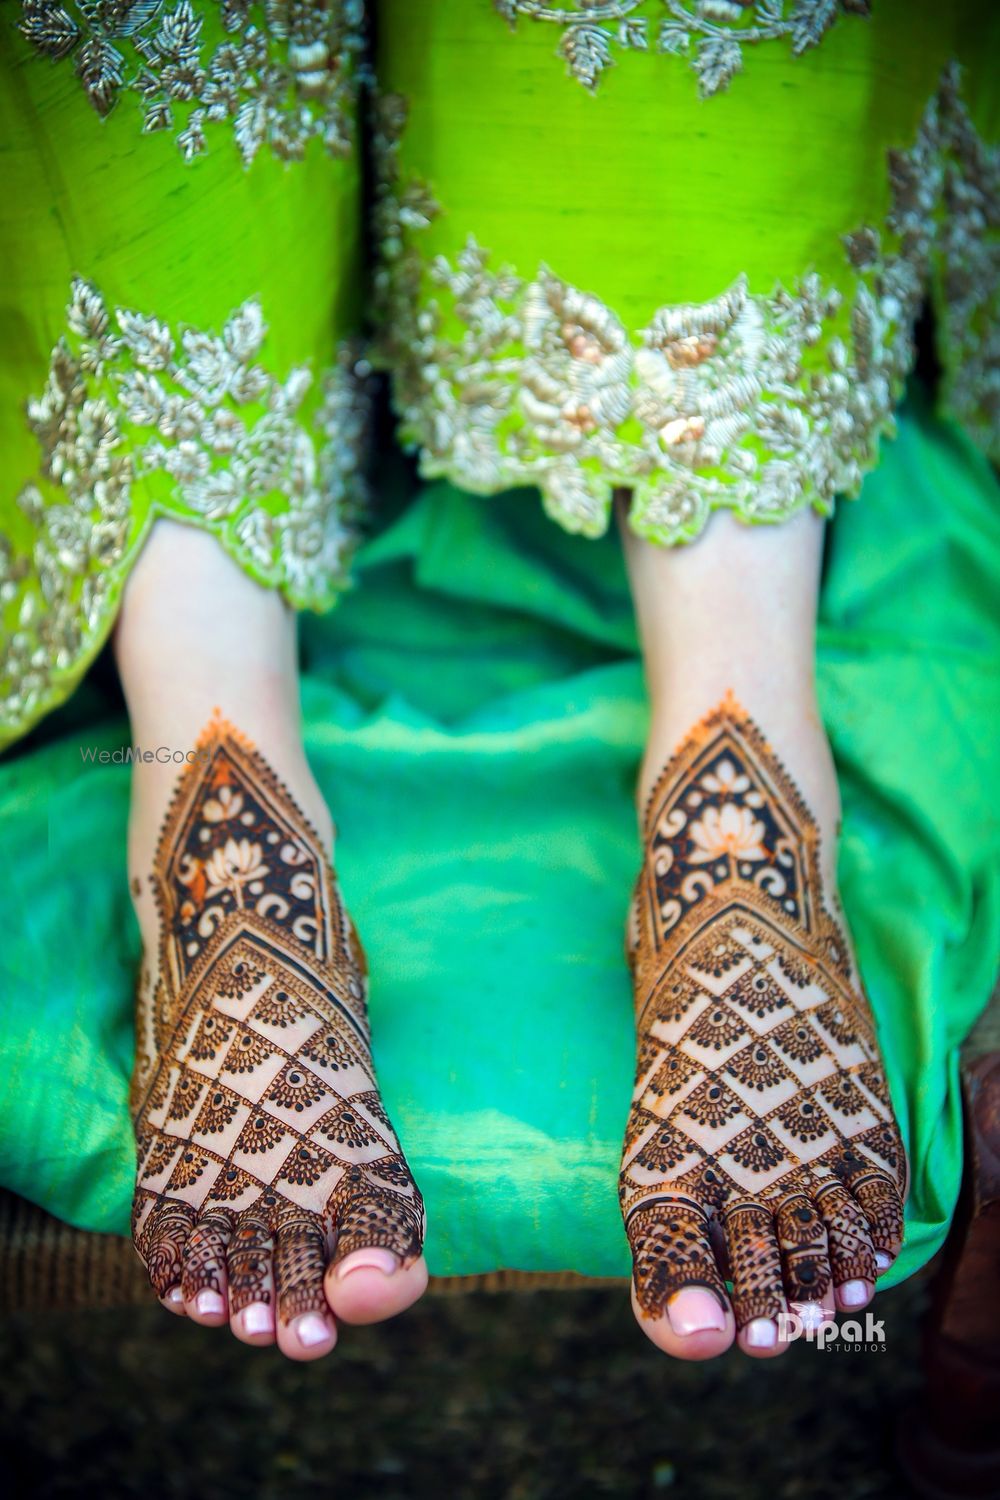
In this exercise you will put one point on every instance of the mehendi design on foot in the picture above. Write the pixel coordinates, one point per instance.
(760, 1105)
(265, 1152)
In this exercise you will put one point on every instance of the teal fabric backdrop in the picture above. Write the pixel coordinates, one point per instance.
(475, 714)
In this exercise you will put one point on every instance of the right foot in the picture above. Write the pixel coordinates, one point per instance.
(761, 1143)
(271, 1189)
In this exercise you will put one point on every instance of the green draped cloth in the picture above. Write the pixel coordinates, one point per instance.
(474, 713)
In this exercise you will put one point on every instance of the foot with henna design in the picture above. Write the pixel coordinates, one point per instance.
(761, 1144)
(271, 1191)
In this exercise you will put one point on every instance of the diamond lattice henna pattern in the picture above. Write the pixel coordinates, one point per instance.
(755, 1042)
(711, 1104)
(248, 1154)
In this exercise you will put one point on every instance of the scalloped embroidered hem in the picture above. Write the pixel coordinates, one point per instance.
(757, 403)
(137, 421)
(581, 500)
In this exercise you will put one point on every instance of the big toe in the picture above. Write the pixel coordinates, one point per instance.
(370, 1285)
(378, 1270)
(678, 1296)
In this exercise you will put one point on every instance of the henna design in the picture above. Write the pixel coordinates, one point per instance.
(248, 1264)
(754, 1261)
(253, 1090)
(204, 1257)
(760, 1099)
(671, 1250)
(802, 1238)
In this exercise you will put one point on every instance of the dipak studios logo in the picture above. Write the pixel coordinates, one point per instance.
(851, 1335)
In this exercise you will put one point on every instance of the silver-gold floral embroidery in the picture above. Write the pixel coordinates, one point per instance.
(970, 257)
(129, 399)
(759, 404)
(287, 73)
(711, 34)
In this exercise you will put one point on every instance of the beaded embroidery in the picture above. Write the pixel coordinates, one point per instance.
(755, 403)
(219, 438)
(285, 75)
(711, 34)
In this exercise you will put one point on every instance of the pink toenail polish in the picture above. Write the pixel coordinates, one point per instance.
(209, 1304)
(854, 1293)
(761, 1334)
(376, 1259)
(695, 1311)
(882, 1261)
(312, 1330)
(257, 1318)
(175, 1296)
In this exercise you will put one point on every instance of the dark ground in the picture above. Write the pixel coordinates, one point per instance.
(530, 1396)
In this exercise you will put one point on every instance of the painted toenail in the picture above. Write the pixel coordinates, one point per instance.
(854, 1293)
(175, 1296)
(312, 1330)
(761, 1334)
(378, 1260)
(209, 1304)
(695, 1311)
(882, 1261)
(257, 1318)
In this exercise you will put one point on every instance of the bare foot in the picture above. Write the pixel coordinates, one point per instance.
(271, 1190)
(761, 1144)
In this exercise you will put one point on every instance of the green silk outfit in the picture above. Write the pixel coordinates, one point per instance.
(678, 246)
(606, 250)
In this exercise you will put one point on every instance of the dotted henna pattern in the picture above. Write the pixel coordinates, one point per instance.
(264, 1149)
(760, 1099)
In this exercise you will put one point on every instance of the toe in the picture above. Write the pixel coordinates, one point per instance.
(250, 1274)
(305, 1328)
(678, 1297)
(805, 1256)
(174, 1302)
(880, 1202)
(166, 1234)
(852, 1256)
(755, 1267)
(203, 1276)
(377, 1270)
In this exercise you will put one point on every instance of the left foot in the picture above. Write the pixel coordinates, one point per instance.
(761, 1143)
(271, 1190)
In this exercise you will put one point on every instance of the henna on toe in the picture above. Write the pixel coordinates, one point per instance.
(760, 1110)
(265, 1156)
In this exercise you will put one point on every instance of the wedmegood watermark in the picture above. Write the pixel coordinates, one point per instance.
(130, 755)
(851, 1334)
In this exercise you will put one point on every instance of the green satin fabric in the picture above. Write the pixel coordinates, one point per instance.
(475, 712)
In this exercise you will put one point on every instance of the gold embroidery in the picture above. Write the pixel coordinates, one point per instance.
(710, 33)
(759, 404)
(970, 256)
(286, 74)
(130, 399)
